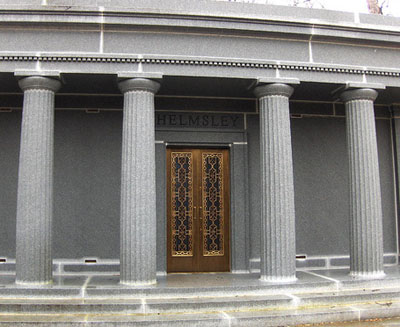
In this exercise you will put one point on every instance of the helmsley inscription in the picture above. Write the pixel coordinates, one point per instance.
(198, 120)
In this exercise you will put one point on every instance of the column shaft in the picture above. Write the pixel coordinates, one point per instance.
(35, 183)
(138, 196)
(366, 240)
(278, 252)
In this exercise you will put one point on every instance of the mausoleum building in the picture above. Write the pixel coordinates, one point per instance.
(140, 139)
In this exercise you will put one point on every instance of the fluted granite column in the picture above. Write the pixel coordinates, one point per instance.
(366, 241)
(35, 182)
(138, 196)
(278, 250)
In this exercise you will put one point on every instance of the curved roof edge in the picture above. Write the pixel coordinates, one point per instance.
(213, 9)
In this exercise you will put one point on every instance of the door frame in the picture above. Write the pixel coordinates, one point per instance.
(239, 210)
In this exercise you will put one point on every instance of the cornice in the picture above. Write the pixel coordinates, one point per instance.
(217, 62)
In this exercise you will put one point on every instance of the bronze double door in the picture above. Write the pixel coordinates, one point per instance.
(198, 210)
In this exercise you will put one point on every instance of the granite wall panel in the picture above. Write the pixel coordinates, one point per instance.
(10, 130)
(87, 175)
(321, 185)
(87, 183)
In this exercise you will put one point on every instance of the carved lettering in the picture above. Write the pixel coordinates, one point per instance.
(205, 121)
(194, 121)
(161, 119)
(224, 121)
(172, 120)
(198, 120)
(182, 121)
(234, 120)
(214, 122)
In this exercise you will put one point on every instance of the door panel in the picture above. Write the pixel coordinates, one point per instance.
(198, 210)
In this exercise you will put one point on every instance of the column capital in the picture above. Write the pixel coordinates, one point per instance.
(359, 94)
(39, 82)
(273, 89)
(138, 84)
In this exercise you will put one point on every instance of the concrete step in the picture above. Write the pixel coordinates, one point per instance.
(145, 306)
(154, 306)
(247, 318)
(187, 285)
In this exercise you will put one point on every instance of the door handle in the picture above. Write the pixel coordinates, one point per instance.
(201, 218)
(200, 215)
(194, 212)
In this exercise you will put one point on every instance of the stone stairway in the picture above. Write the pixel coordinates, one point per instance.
(235, 301)
(232, 310)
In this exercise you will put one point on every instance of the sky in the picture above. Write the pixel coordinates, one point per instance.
(392, 9)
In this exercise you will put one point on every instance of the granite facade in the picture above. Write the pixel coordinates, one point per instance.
(290, 172)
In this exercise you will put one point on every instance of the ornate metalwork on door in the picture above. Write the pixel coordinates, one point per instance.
(213, 204)
(182, 204)
(198, 210)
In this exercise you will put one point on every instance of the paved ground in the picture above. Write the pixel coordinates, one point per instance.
(390, 322)
(180, 282)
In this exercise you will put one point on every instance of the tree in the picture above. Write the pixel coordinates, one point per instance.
(380, 7)
(373, 7)
(308, 3)
(377, 7)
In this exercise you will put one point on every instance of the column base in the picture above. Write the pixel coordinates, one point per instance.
(278, 280)
(138, 283)
(367, 275)
(240, 271)
(50, 282)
